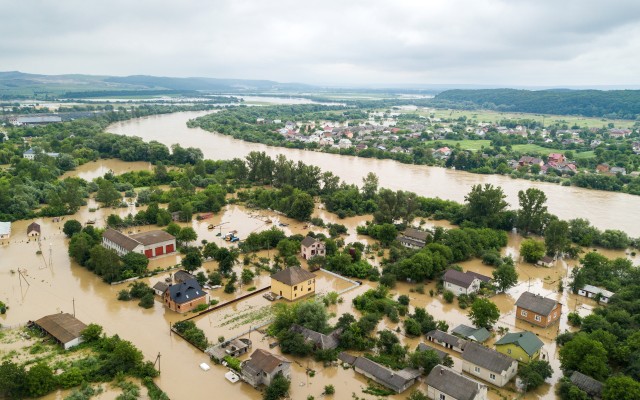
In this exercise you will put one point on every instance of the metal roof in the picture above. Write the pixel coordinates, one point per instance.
(5, 228)
(120, 239)
(152, 237)
(528, 341)
(486, 358)
(63, 326)
(469, 332)
(595, 289)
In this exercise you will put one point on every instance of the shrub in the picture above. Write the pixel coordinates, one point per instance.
(329, 390)
(574, 319)
(146, 301)
(448, 296)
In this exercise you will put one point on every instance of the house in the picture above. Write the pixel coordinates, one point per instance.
(182, 276)
(263, 367)
(461, 282)
(425, 347)
(413, 238)
(293, 283)
(618, 170)
(545, 261)
(528, 161)
(488, 365)
(522, 346)
(479, 335)
(312, 247)
(5, 230)
(151, 244)
(39, 120)
(587, 384)
(537, 310)
(603, 168)
(398, 381)
(159, 288)
(442, 152)
(33, 230)
(320, 340)
(31, 154)
(597, 293)
(555, 158)
(345, 143)
(63, 327)
(446, 340)
(185, 296)
(237, 347)
(446, 384)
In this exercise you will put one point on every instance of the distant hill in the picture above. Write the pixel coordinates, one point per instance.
(591, 103)
(14, 84)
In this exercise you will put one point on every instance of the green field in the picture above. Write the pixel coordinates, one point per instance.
(534, 148)
(467, 144)
(494, 116)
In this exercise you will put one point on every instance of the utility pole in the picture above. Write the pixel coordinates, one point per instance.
(74, 307)
(50, 255)
(157, 361)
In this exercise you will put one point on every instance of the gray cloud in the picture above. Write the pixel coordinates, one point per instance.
(499, 42)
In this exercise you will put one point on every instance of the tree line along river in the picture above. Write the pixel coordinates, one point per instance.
(605, 210)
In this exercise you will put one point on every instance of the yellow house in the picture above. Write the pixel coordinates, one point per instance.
(293, 283)
(522, 346)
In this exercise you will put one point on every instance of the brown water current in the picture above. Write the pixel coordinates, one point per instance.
(50, 282)
(606, 210)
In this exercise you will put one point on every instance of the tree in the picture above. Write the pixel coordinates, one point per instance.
(532, 210)
(584, 355)
(484, 313)
(226, 260)
(40, 380)
(329, 390)
(91, 333)
(71, 226)
(532, 250)
(187, 235)
(534, 374)
(485, 204)
(505, 276)
(105, 263)
(246, 276)
(135, 262)
(146, 301)
(192, 259)
(12, 380)
(278, 388)
(556, 237)
(427, 360)
(209, 250)
(301, 207)
(312, 315)
(107, 194)
(173, 229)
(370, 186)
(621, 388)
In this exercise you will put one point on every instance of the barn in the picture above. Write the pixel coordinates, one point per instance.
(151, 244)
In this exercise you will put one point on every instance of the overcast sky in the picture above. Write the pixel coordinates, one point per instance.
(341, 42)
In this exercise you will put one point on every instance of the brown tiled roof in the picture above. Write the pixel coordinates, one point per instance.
(64, 327)
(120, 239)
(262, 360)
(292, 276)
(152, 237)
(538, 304)
(33, 227)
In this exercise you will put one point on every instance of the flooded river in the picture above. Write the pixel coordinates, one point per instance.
(606, 210)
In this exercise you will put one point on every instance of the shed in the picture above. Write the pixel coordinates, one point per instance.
(470, 333)
(586, 383)
(5, 230)
(63, 327)
(33, 229)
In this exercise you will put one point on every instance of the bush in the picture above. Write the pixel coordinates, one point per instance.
(403, 299)
(574, 319)
(232, 362)
(448, 296)
(146, 301)
(329, 390)
(124, 295)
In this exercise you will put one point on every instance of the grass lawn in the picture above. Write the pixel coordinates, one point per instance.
(467, 144)
(585, 154)
(534, 148)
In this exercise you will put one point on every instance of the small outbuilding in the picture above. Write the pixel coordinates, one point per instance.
(445, 383)
(479, 335)
(63, 327)
(5, 230)
(587, 384)
(545, 261)
(594, 292)
(33, 230)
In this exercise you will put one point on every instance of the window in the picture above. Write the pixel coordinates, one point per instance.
(477, 369)
(443, 397)
(523, 313)
(295, 288)
(538, 318)
(492, 376)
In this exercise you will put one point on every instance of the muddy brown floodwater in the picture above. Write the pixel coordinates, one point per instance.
(50, 282)
(606, 210)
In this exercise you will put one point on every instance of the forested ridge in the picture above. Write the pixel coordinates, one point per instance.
(591, 103)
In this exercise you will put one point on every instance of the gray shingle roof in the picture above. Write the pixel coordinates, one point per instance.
(308, 241)
(452, 383)
(152, 237)
(487, 358)
(188, 290)
(458, 278)
(347, 358)
(441, 336)
(538, 304)
(469, 332)
(425, 347)
(293, 276)
(120, 239)
(395, 380)
(262, 360)
(320, 340)
(587, 383)
(415, 234)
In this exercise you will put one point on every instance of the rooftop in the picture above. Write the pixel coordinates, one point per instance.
(308, 241)
(63, 326)
(528, 341)
(262, 360)
(120, 239)
(486, 358)
(395, 380)
(5, 228)
(188, 290)
(595, 289)
(458, 278)
(441, 336)
(33, 227)
(452, 383)
(469, 332)
(152, 237)
(293, 276)
(587, 383)
(415, 234)
(536, 303)
(425, 347)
